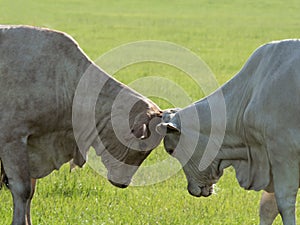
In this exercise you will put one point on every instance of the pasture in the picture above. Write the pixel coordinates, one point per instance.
(223, 33)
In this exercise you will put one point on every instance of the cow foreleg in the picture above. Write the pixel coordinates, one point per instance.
(268, 208)
(15, 162)
(286, 183)
(33, 186)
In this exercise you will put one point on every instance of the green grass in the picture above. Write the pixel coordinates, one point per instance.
(223, 33)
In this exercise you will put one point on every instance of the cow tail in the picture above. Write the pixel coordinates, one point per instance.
(3, 178)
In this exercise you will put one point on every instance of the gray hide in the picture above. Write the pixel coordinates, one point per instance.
(40, 70)
(262, 135)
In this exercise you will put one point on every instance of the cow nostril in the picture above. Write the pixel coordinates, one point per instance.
(194, 190)
(170, 151)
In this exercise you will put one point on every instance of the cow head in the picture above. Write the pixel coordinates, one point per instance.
(187, 145)
(118, 122)
(129, 137)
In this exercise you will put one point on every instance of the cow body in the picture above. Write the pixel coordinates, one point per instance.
(261, 139)
(40, 71)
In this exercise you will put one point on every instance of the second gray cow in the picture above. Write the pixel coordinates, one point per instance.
(258, 131)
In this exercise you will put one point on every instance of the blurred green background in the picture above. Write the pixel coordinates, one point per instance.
(223, 33)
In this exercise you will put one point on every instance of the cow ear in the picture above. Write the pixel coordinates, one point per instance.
(170, 123)
(165, 128)
(141, 132)
(173, 128)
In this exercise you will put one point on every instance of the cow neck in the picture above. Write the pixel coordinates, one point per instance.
(236, 94)
(110, 92)
(93, 99)
(235, 146)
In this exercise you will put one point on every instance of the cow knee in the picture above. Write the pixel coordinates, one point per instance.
(268, 208)
(20, 189)
(20, 185)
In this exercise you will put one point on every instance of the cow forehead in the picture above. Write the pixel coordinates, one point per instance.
(169, 114)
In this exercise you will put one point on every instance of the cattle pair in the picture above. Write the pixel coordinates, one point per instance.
(56, 104)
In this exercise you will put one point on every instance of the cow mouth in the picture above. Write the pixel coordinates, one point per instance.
(199, 191)
(118, 182)
(119, 185)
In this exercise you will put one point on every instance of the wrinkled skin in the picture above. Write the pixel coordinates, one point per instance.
(201, 183)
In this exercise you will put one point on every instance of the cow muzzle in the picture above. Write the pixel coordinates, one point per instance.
(119, 185)
(199, 191)
(120, 182)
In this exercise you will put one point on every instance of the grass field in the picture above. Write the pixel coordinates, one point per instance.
(223, 33)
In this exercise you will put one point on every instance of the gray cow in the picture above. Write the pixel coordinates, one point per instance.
(251, 123)
(55, 103)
